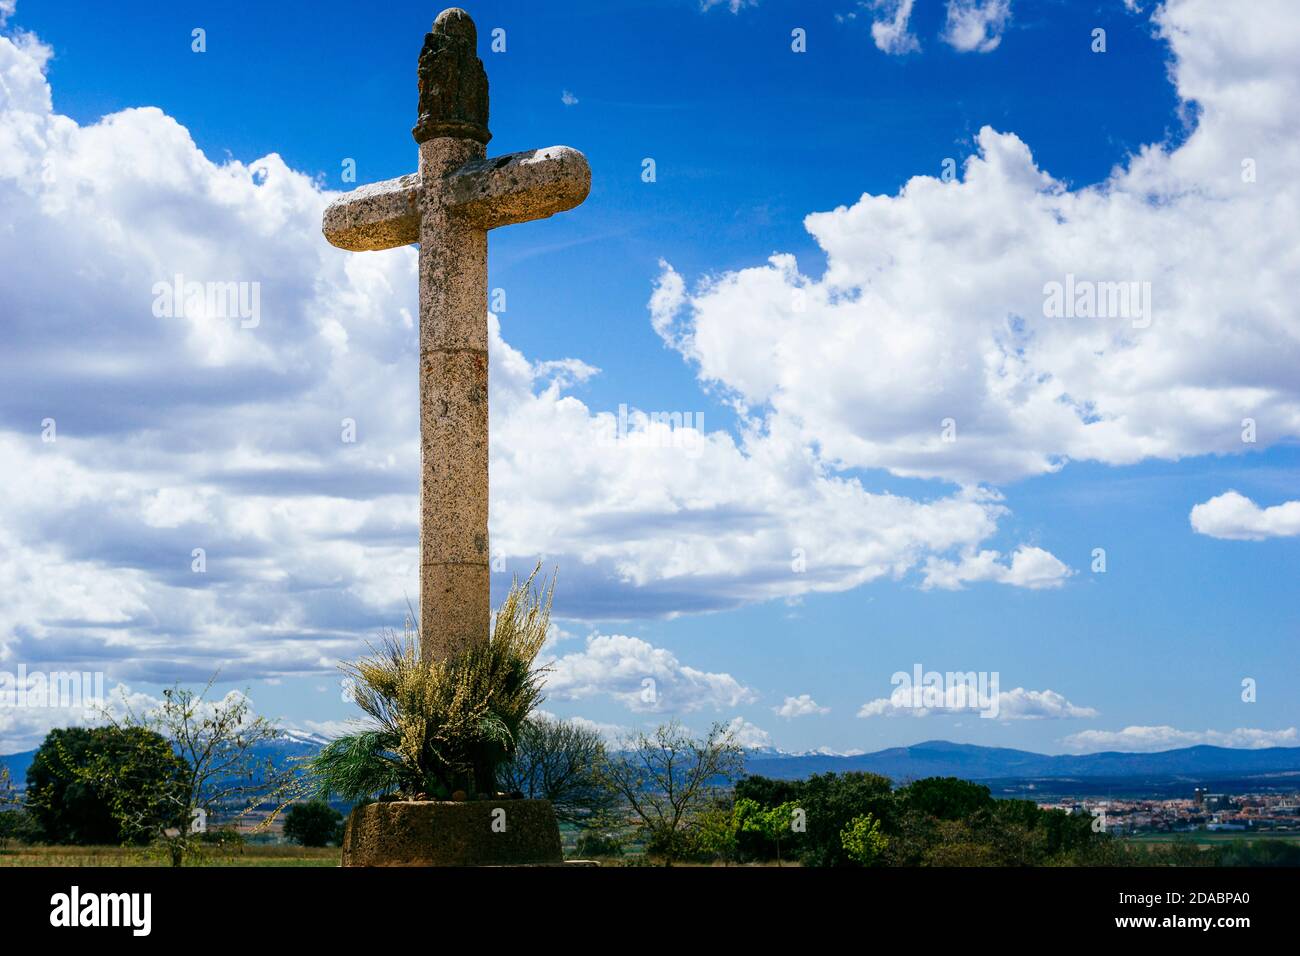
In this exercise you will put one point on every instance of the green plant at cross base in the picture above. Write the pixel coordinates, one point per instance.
(439, 726)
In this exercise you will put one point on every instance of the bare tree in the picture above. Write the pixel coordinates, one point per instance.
(559, 761)
(8, 799)
(8, 794)
(217, 769)
(668, 779)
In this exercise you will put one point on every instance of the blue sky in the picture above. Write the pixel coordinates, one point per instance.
(898, 298)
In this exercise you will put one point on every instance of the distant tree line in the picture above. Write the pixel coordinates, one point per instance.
(678, 798)
(659, 797)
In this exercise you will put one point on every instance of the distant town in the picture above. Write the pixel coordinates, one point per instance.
(1203, 811)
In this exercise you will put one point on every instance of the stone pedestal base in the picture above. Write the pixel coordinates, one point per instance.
(435, 833)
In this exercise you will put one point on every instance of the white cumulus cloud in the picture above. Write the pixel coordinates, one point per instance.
(746, 735)
(612, 733)
(1156, 738)
(801, 706)
(873, 359)
(1016, 704)
(187, 435)
(209, 511)
(975, 25)
(642, 677)
(1234, 516)
(1028, 567)
(889, 29)
(735, 6)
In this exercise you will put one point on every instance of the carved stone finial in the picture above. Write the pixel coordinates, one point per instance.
(453, 83)
(456, 22)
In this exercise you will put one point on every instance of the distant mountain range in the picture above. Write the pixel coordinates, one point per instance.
(293, 744)
(1004, 769)
(941, 758)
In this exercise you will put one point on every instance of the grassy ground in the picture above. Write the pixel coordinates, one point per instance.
(289, 855)
(1203, 838)
(268, 855)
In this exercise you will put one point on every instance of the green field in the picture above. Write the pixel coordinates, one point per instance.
(268, 855)
(1205, 838)
(284, 854)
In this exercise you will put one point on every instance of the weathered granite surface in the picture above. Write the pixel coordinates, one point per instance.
(435, 833)
(520, 187)
(454, 569)
(448, 206)
(453, 83)
(377, 216)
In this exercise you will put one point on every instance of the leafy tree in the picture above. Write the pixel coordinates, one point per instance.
(15, 822)
(957, 844)
(752, 844)
(558, 761)
(945, 798)
(831, 802)
(1260, 853)
(442, 725)
(774, 824)
(70, 801)
(1017, 844)
(716, 833)
(18, 825)
(945, 822)
(223, 838)
(315, 823)
(668, 778)
(909, 836)
(1182, 851)
(767, 792)
(592, 843)
(862, 840)
(1104, 850)
(216, 744)
(1062, 833)
(936, 821)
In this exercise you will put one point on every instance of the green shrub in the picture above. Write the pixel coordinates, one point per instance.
(315, 823)
(593, 843)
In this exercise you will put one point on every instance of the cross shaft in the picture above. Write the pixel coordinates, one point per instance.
(448, 206)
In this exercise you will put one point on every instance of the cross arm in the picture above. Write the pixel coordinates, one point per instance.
(378, 216)
(520, 187)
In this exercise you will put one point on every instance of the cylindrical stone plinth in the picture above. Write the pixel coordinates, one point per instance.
(433, 833)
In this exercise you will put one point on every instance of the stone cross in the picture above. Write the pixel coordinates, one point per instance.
(448, 207)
